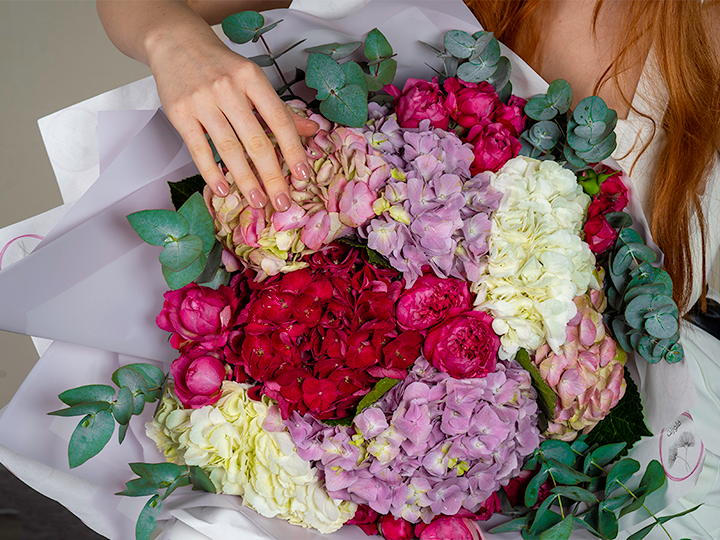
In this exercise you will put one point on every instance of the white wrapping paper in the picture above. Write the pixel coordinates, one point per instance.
(94, 286)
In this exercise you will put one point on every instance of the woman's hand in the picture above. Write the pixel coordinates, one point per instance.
(206, 88)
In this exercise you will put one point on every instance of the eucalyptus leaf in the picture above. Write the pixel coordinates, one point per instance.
(578, 143)
(91, 392)
(90, 436)
(182, 252)
(643, 304)
(629, 254)
(505, 93)
(347, 106)
(532, 490)
(565, 474)
(589, 131)
(644, 274)
(651, 289)
(613, 503)
(287, 49)
(642, 533)
(646, 347)
(544, 519)
(608, 525)
(384, 72)
(538, 108)
(620, 329)
(132, 378)
(634, 504)
(241, 27)
(145, 526)
(213, 264)
(181, 191)
(516, 524)
(501, 77)
(138, 487)
(620, 473)
(354, 74)
(377, 46)
(153, 375)
(179, 482)
(162, 474)
(177, 280)
(264, 29)
(545, 135)
(450, 66)
(139, 401)
(336, 51)
(200, 480)
(559, 95)
(575, 493)
(573, 158)
(482, 40)
(590, 110)
(122, 431)
(475, 73)
(610, 124)
(324, 75)
(489, 56)
(674, 354)
(559, 450)
(458, 43)
(200, 222)
(613, 297)
(600, 151)
(561, 531)
(602, 456)
(156, 227)
(263, 60)
(547, 398)
(90, 407)
(619, 220)
(123, 409)
(663, 322)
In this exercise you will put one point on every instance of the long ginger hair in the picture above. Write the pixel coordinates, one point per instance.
(690, 69)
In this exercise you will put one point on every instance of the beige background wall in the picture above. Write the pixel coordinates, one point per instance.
(53, 53)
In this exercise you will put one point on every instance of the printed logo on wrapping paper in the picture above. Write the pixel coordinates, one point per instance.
(681, 449)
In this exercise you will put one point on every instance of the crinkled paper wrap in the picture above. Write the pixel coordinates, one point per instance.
(95, 287)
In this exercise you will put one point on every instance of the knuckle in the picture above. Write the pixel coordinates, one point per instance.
(258, 145)
(227, 145)
(280, 119)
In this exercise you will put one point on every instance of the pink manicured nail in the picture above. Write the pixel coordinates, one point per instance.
(302, 171)
(257, 198)
(222, 189)
(282, 202)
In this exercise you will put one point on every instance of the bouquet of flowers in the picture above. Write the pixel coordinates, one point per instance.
(435, 330)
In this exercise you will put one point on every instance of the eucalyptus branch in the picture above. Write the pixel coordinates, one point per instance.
(277, 67)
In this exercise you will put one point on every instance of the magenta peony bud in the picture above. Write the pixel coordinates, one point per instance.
(198, 378)
(393, 528)
(430, 300)
(420, 100)
(450, 527)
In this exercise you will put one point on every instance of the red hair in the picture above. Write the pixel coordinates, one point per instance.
(690, 69)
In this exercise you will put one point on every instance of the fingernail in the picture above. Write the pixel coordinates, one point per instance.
(222, 189)
(302, 171)
(282, 202)
(257, 198)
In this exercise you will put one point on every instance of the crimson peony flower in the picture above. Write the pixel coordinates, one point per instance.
(470, 103)
(420, 100)
(464, 346)
(198, 375)
(494, 143)
(393, 528)
(366, 518)
(430, 300)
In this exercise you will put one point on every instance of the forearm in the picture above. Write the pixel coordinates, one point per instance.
(136, 27)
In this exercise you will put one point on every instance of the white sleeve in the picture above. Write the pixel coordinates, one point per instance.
(328, 9)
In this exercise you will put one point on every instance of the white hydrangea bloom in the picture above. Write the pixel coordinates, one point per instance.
(537, 262)
(244, 447)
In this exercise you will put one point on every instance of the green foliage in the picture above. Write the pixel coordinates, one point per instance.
(347, 106)
(267, 60)
(588, 490)
(160, 480)
(187, 235)
(547, 398)
(102, 408)
(336, 51)
(182, 190)
(377, 46)
(625, 422)
(382, 387)
(373, 256)
(246, 26)
(641, 312)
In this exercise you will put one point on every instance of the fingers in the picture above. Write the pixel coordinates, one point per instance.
(202, 155)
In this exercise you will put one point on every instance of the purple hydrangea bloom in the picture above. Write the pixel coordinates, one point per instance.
(431, 445)
(442, 212)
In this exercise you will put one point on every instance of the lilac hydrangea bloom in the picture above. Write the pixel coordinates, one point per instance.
(432, 211)
(432, 445)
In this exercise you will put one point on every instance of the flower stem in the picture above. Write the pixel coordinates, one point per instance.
(267, 48)
(647, 510)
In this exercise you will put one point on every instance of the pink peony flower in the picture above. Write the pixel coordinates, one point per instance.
(420, 100)
(198, 377)
(513, 113)
(450, 527)
(494, 144)
(393, 528)
(431, 300)
(200, 315)
(464, 346)
(471, 103)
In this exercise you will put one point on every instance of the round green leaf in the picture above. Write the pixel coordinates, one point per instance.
(91, 407)
(475, 72)
(181, 253)
(573, 158)
(559, 95)
(601, 150)
(643, 274)
(200, 222)
(610, 125)
(200, 480)
(589, 110)
(139, 401)
(619, 220)
(579, 144)
(156, 227)
(91, 392)
(384, 72)
(501, 77)
(545, 135)
(458, 43)
(588, 131)
(674, 354)
(663, 277)
(645, 348)
(489, 55)
(354, 73)
(347, 106)
(324, 75)
(127, 376)
(608, 524)
(630, 236)
(376, 46)
(538, 108)
(177, 280)
(154, 376)
(241, 27)
(662, 323)
(559, 450)
(629, 254)
(653, 288)
(263, 60)
(123, 408)
(90, 436)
